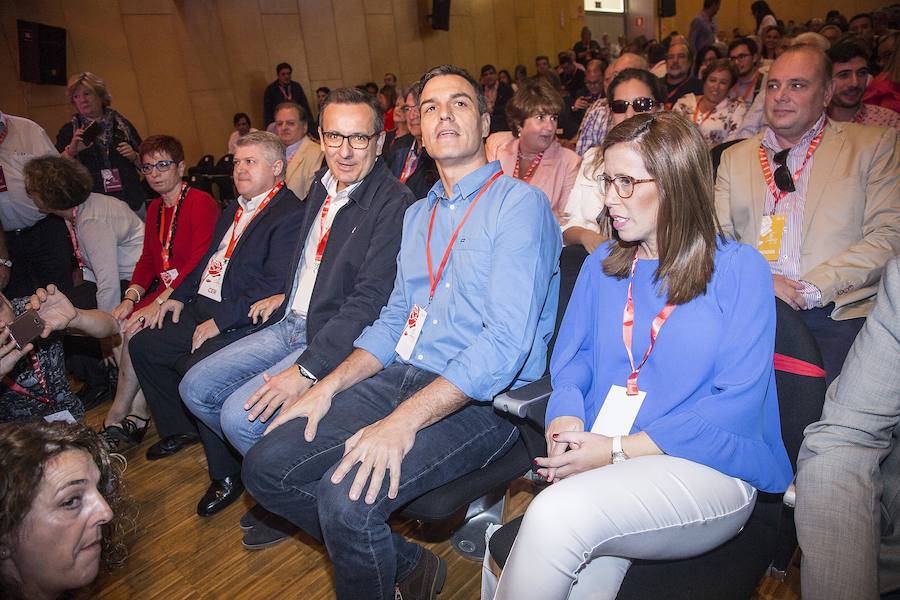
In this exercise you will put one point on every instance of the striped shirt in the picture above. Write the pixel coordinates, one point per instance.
(791, 205)
(594, 126)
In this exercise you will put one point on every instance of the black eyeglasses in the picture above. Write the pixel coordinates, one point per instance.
(624, 184)
(358, 141)
(161, 166)
(783, 178)
(639, 104)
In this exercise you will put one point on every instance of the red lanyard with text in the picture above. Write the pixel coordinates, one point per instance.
(39, 374)
(628, 327)
(167, 247)
(235, 236)
(71, 227)
(529, 172)
(323, 233)
(432, 278)
(769, 175)
(409, 166)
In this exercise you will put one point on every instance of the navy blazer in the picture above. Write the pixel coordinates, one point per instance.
(426, 173)
(257, 265)
(358, 267)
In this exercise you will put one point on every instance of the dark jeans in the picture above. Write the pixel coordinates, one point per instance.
(41, 254)
(833, 337)
(161, 357)
(291, 477)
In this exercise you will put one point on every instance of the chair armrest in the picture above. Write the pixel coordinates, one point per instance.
(527, 401)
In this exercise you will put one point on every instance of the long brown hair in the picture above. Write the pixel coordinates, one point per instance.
(676, 156)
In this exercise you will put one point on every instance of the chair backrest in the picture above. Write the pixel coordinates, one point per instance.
(715, 153)
(570, 261)
(200, 182)
(225, 166)
(799, 377)
(205, 164)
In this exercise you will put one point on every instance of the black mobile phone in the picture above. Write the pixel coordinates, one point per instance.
(90, 133)
(26, 328)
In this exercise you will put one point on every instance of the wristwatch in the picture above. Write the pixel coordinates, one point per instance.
(6, 263)
(618, 455)
(306, 374)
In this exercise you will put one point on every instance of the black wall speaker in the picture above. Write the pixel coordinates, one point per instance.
(666, 8)
(440, 14)
(42, 53)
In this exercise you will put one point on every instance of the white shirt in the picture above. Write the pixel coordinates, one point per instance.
(25, 140)
(585, 202)
(308, 270)
(218, 259)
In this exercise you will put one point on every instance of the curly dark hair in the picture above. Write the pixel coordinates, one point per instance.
(25, 450)
(60, 183)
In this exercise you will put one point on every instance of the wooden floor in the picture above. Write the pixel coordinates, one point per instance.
(177, 555)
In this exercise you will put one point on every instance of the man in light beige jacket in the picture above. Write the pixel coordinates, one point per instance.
(304, 156)
(820, 200)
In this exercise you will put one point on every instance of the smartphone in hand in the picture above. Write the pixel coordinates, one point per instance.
(90, 133)
(26, 328)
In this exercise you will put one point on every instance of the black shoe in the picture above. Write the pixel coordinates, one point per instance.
(171, 445)
(425, 580)
(220, 494)
(127, 434)
(252, 517)
(265, 529)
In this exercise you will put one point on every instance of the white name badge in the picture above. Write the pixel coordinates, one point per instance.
(63, 415)
(414, 324)
(211, 286)
(618, 412)
(168, 277)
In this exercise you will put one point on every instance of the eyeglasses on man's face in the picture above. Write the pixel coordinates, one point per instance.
(623, 184)
(639, 104)
(742, 56)
(410, 109)
(161, 166)
(358, 141)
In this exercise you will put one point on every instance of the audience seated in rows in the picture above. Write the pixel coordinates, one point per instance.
(497, 95)
(715, 114)
(304, 156)
(246, 262)
(408, 159)
(283, 89)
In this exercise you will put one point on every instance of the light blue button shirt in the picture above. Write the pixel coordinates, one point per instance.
(494, 308)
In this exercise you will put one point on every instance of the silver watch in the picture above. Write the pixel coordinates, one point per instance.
(618, 455)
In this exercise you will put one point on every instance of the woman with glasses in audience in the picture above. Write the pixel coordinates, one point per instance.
(531, 151)
(663, 421)
(62, 510)
(103, 141)
(717, 116)
(34, 376)
(631, 92)
(178, 231)
(704, 58)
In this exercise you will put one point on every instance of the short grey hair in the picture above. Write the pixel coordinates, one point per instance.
(272, 148)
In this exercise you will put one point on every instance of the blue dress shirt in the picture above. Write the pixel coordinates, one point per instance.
(494, 308)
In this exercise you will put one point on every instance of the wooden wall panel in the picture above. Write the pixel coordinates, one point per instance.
(163, 85)
(379, 7)
(320, 39)
(202, 46)
(382, 46)
(527, 42)
(246, 53)
(505, 35)
(410, 49)
(462, 50)
(545, 34)
(485, 48)
(278, 7)
(146, 7)
(354, 40)
(213, 111)
(284, 43)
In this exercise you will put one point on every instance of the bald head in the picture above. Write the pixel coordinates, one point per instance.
(627, 60)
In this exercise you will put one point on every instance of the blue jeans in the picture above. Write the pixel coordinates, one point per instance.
(216, 388)
(291, 477)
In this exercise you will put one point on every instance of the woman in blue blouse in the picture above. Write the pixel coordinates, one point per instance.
(656, 449)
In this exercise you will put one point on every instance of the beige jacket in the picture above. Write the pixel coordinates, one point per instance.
(302, 167)
(851, 219)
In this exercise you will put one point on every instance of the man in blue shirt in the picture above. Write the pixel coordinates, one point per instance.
(472, 310)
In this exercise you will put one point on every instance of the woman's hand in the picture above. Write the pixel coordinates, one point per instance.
(140, 318)
(263, 309)
(586, 451)
(125, 149)
(9, 354)
(53, 308)
(76, 145)
(554, 447)
(123, 311)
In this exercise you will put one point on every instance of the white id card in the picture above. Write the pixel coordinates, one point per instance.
(168, 277)
(63, 415)
(211, 286)
(618, 412)
(414, 324)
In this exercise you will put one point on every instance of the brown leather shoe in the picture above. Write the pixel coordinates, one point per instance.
(424, 581)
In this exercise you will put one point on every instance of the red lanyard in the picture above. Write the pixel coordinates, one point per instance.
(409, 167)
(697, 112)
(71, 227)
(167, 247)
(431, 277)
(769, 175)
(287, 92)
(529, 172)
(39, 374)
(628, 327)
(235, 236)
(323, 233)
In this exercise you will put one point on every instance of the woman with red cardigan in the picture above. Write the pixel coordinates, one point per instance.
(178, 231)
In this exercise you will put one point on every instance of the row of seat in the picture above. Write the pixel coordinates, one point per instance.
(214, 178)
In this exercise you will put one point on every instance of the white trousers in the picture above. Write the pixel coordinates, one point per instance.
(580, 535)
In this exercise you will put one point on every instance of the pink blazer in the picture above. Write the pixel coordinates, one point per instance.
(556, 174)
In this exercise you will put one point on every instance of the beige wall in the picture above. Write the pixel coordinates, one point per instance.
(184, 67)
(736, 13)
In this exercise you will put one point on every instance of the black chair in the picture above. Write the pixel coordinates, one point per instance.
(225, 166)
(198, 181)
(205, 165)
(715, 153)
(482, 493)
(734, 569)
